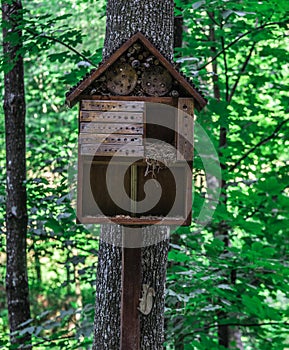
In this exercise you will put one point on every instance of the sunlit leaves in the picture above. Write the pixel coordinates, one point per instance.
(253, 101)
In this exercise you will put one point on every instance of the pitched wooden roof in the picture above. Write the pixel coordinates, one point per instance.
(77, 90)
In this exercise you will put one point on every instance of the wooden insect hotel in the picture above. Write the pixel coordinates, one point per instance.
(136, 121)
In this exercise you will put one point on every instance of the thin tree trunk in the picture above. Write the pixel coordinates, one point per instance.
(226, 335)
(16, 211)
(155, 20)
(223, 330)
(178, 43)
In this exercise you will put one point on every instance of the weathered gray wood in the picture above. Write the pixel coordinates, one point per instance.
(112, 128)
(185, 138)
(111, 150)
(106, 105)
(114, 117)
(167, 100)
(86, 138)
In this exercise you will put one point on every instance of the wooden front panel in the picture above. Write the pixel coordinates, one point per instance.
(111, 127)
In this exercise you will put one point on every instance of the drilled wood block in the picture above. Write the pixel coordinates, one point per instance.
(112, 117)
(85, 138)
(111, 150)
(104, 105)
(111, 128)
(156, 81)
(121, 78)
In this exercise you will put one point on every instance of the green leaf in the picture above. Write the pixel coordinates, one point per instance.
(54, 225)
(198, 4)
(253, 306)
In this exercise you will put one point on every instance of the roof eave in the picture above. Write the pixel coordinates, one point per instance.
(72, 98)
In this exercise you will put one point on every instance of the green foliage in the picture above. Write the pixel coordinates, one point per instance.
(243, 284)
(62, 256)
(210, 283)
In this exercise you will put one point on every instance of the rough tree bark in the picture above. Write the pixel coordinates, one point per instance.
(16, 211)
(155, 20)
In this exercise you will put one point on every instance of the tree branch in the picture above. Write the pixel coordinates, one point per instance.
(236, 40)
(63, 44)
(260, 143)
(51, 38)
(242, 70)
(226, 68)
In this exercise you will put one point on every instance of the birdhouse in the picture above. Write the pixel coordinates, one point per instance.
(136, 117)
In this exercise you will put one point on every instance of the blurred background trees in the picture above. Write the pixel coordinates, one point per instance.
(227, 284)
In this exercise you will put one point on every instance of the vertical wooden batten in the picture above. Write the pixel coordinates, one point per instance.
(131, 277)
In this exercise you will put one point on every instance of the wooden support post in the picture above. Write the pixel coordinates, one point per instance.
(131, 291)
(131, 277)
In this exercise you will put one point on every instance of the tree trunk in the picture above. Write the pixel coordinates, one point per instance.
(16, 211)
(226, 335)
(155, 20)
(223, 330)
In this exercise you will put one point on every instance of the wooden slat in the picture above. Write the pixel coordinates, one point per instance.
(111, 117)
(185, 137)
(128, 220)
(172, 101)
(110, 139)
(111, 150)
(107, 105)
(111, 128)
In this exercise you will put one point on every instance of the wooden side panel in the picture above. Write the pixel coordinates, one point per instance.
(112, 117)
(188, 196)
(185, 127)
(111, 128)
(106, 105)
(79, 208)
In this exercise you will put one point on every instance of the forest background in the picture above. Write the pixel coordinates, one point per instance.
(234, 272)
